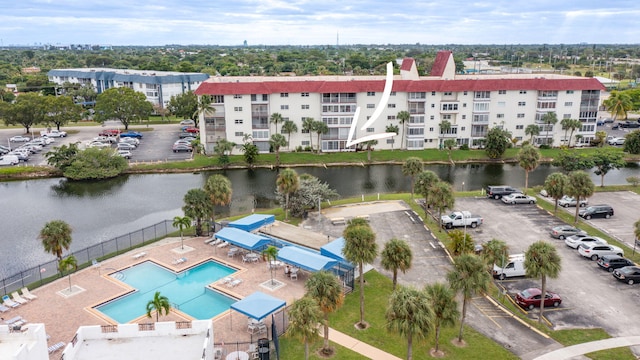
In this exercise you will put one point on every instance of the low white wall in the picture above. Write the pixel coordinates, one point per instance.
(28, 345)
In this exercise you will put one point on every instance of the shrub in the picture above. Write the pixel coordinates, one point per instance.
(633, 180)
(464, 147)
(545, 146)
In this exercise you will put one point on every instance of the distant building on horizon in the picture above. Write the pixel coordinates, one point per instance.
(471, 103)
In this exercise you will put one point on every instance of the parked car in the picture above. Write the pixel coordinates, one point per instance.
(499, 191)
(628, 274)
(460, 218)
(125, 146)
(19, 138)
(109, 139)
(22, 156)
(615, 127)
(517, 198)
(181, 147)
(132, 141)
(125, 153)
(612, 262)
(616, 141)
(630, 124)
(184, 135)
(574, 242)
(110, 132)
(605, 211)
(183, 142)
(35, 147)
(564, 231)
(53, 133)
(532, 297)
(188, 122)
(4, 150)
(594, 251)
(9, 160)
(131, 134)
(191, 129)
(514, 267)
(607, 120)
(567, 201)
(98, 144)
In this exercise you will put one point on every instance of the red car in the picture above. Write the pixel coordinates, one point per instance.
(530, 298)
(110, 132)
(191, 129)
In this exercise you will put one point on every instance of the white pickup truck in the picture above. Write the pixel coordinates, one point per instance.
(460, 218)
(53, 133)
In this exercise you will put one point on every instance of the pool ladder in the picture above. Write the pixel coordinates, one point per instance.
(118, 275)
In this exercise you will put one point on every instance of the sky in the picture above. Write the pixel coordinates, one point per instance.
(318, 22)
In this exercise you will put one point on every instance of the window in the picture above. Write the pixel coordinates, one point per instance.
(305, 143)
(522, 92)
(448, 93)
(415, 131)
(449, 107)
(391, 117)
(464, 117)
(566, 116)
(284, 94)
(284, 107)
(546, 104)
(481, 118)
(218, 99)
(239, 133)
(371, 93)
(569, 91)
(431, 117)
(305, 94)
(502, 92)
(433, 93)
(568, 103)
(548, 93)
(236, 96)
(371, 106)
(393, 93)
(446, 117)
(238, 121)
(305, 107)
(237, 108)
(465, 93)
(519, 127)
(500, 116)
(433, 106)
(370, 130)
(520, 116)
(417, 95)
(391, 106)
(588, 128)
(431, 129)
(522, 103)
(481, 95)
(481, 106)
(464, 104)
(462, 128)
(304, 131)
(502, 104)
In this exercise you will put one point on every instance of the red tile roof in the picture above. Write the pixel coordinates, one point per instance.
(356, 86)
(440, 63)
(406, 64)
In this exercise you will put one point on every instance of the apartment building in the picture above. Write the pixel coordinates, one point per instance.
(472, 104)
(158, 86)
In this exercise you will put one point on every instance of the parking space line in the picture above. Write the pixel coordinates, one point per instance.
(485, 314)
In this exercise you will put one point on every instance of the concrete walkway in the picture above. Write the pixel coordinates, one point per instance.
(585, 348)
(358, 346)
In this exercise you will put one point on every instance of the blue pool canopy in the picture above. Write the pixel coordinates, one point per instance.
(243, 239)
(334, 249)
(252, 222)
(258, 305)
(305, 259)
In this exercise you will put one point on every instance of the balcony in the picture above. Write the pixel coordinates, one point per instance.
(479, 133)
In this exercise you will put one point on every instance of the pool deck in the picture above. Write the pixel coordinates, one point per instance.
(63, 311)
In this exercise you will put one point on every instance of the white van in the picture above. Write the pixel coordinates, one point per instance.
(9, 160)
(514, 267)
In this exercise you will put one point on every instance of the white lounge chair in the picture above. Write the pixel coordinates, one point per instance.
(17, 298)
(227, 280)
(8, 302)
(234, 283)
(139, 255)
(28, 295)
(179, 261)
(3, 308)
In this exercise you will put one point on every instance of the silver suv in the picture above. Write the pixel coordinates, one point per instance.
(575, 241)
(595, 251)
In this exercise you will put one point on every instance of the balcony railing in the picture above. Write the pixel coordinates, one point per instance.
(478, 133)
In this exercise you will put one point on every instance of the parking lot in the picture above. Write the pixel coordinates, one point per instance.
(154, 146)
(592, 298)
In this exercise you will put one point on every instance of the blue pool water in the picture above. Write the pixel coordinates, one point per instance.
(185, 290)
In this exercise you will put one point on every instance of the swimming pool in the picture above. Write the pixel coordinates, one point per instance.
(186, 290)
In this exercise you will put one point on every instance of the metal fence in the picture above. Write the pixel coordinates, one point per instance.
(43, 273)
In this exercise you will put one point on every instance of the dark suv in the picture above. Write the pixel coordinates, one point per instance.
(612, 262)
(604, 211)
(499, 191)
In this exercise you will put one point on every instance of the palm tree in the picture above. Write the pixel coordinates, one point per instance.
(409, 315)
(554, 185)
(412, 167)
(542, 260)
(442, 301)
(636, 229)
(307, 126)
(445, 126)
(548, 119)
(181, 222)
(276, 142)
(369, 145)
(532, 130)
(360, 248)
(218, 187)
(449, 144)
(528, 158)
(275, 119)
(403, 117)
(222, 149)
(289, 127)
(68, 264)
(574, 125)
(197, 205)
(160, 304)
(564, 123)
(460, 242)
(287, 182)
(325, 289)
(424, 181)
(392, 129)
(579, 186)
(618, 104)
(494, 251)
(56, 236)
(205, 107)
(395, 256)
(320, 128)
(271, 255)
(441, 196)
(468, 276)
(304, 316)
